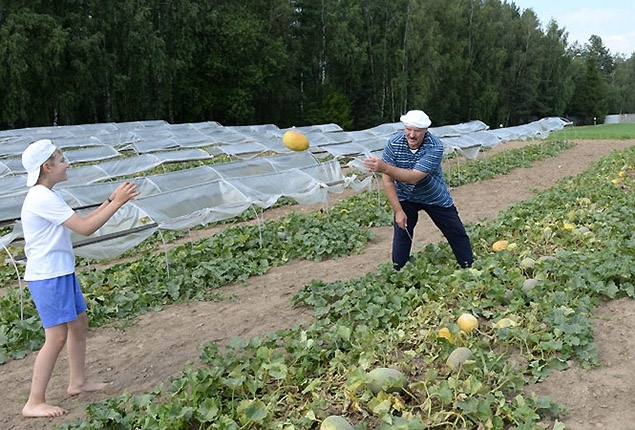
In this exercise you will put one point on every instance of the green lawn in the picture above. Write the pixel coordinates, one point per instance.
(603, 131)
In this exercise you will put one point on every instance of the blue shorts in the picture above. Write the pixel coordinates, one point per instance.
(57, 300)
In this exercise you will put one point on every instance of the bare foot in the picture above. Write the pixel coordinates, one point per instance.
(87, 388)
(42, 410)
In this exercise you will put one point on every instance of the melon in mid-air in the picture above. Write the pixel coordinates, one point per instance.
(295, 141)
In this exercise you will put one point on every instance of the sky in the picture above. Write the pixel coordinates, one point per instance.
(612, 20)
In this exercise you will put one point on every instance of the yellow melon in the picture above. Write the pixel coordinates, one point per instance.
(445, 333)
(467, 322)
(295, 141)
(505, 323)
(500, 245)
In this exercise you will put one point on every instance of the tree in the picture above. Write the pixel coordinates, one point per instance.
(32, 47)
(624, 86)
(556, 85)
(296, 62)
(590, 102)
(438, 60)
(238, 62)
(523, 72)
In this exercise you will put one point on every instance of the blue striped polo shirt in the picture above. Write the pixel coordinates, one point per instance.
(431, 190)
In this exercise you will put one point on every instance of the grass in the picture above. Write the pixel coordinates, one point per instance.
(595, 132)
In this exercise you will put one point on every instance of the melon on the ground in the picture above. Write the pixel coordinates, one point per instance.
(467, 322)
(527, 263)
(529, 284)
(445, 333)
(458, 357)
(505, 323)
(386, 379)
(335, 422)
(500, 245)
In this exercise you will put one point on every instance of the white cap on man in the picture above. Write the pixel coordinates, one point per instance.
(34, 156)
(416, 118)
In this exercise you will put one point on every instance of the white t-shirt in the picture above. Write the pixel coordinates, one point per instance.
(48, 246)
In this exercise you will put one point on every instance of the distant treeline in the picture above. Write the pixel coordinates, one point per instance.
(357, 63)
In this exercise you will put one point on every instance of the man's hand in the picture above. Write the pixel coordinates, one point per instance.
(401, 219)
(409, 176)
(374, 164)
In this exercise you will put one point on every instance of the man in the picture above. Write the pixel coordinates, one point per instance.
(413, 180)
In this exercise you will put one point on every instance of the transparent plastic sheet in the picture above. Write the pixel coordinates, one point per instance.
(263, 165)
(12, 144)
(468, 151)
(88, 154)
(328, 173)
(5, 168)
(459, 129)
(268, 189)
(113, 247)
(7, 239)
(321, 140)
(294, 160)
(355, 148)
(163, 144)
(179, 179)
(364, 184)
(109, 170)
(202, 195)
(475, 137)
(245, 149)
(94, 193)
(200, 204)
(78, 197)
(12, 184)
(156, 143)
(308, 185)
(128, 227)
(10, 207)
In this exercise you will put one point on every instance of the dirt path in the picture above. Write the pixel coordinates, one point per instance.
(139, 357)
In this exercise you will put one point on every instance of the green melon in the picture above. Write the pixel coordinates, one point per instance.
(335, 422)
(458, 357)
(529, 284)
(527, 263)
(386, 379)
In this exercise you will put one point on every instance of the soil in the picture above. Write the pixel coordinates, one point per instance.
(157, 345)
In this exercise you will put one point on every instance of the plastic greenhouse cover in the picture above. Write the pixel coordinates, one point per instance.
(264, 170)
(92, 194)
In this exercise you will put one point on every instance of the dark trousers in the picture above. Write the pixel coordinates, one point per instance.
(447, 221)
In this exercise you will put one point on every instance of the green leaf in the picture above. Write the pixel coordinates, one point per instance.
(208, 410)
(252, 411)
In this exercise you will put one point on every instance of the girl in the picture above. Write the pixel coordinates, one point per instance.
(47, 221)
